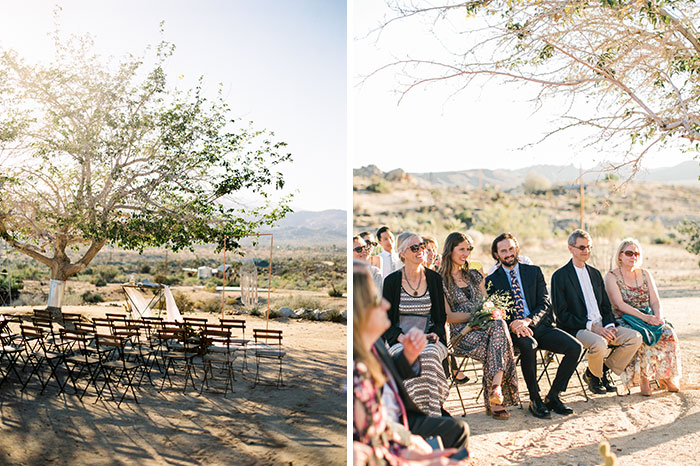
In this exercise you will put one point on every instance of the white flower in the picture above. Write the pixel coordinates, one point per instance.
(488, 305)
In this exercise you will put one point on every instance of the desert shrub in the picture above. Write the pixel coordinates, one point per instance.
(300, 302)
(535, 184)
(335, 292)
(608, 227)
(466, 217)
(495, 218)
(107, 272)
(26, 271)
(691, 230)
(184, 303)
(379, 186)
(211, 305)
(90, 297)
(166, 279)
(212, 283)
(10, 287)
(145, 268)
(98, 281)
(191, 281)
(663, 239)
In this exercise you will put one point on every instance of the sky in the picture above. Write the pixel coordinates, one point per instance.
(436, 129)
(282, 65)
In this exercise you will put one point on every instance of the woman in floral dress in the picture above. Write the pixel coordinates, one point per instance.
(464, 292)
(632, 291)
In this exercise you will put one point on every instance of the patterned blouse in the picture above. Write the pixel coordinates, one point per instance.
(465, 299)
(635, 296)
(369, 425)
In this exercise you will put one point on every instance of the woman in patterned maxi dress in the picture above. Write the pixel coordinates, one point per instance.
(464, 291)
(632, 291)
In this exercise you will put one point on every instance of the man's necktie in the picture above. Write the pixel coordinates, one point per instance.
(392, 384)
(517, 296)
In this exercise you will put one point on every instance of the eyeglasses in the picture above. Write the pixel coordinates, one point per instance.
(630, 253)
(583, 248)
(417, 247)
(360, 249)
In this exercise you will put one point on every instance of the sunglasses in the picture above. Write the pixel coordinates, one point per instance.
(630, 253)
(583, 248)
(360, 249)
(417, 247)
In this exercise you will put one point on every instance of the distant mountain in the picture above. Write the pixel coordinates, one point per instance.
(684, 173)
(308, 228)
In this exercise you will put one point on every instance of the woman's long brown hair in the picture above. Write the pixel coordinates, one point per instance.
(453, 240)
(365, 297)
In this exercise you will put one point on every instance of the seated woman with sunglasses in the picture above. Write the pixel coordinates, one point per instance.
(636, 304)
(464, 290)
(360, 251)
(417, 300)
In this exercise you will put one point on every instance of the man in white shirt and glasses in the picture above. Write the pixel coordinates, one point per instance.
(583, 309)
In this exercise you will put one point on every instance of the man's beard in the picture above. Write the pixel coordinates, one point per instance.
(510, 262)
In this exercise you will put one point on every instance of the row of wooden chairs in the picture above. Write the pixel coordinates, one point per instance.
(112, 351)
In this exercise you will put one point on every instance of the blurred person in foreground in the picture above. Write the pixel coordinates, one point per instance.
(360, 251)
(465, 292)
(382, 424)
(635, 302)
(417, 301)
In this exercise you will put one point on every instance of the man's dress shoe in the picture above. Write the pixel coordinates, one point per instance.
(538, 409)
(554, 404)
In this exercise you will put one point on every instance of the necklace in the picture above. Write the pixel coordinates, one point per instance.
(420, 280)
(634, 274)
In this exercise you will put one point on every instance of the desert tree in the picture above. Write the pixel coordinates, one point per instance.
(627, 70)
(96, 151)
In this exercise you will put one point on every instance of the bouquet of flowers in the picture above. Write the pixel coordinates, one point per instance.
(494, 307)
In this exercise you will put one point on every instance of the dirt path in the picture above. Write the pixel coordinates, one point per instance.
(301, 423)
(660, 430)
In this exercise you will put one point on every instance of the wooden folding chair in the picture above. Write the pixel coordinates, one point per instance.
(218, 351)
(271, 348)
(82, 356)
(9, 350)
(114, 363)
(35, 340)
(179, 348)
(237, 328)
(548, 357)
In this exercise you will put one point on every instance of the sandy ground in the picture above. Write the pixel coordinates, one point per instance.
(660, 430)
(302, 423)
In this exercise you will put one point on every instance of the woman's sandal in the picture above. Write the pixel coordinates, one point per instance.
(668, 385)
(495, 408)
(463, 380)
(645, 388)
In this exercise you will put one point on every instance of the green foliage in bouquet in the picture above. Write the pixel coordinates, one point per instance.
(494, 307)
